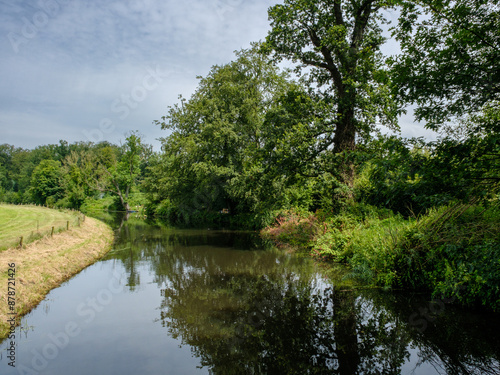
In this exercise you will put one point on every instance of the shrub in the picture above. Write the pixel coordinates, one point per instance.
(94, 204)
(454, 251)
(292, 228)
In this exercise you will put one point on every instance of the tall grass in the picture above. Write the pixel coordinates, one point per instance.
(451, 251)
(454, 251)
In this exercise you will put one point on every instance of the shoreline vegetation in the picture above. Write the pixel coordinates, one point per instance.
(48, 262)
(451, 252)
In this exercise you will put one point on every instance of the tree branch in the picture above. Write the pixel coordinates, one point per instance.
(362, 17)
(459, 24)
(337, 11)
(330, 64)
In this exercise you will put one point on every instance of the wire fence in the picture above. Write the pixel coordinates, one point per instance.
(22, 231)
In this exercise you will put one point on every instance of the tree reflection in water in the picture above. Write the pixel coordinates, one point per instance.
(249, 311)
(268, 312)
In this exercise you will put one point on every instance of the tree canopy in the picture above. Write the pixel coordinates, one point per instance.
(339, 42)
(449, 61)
(213, 159)
(46, 182)
(65, 175)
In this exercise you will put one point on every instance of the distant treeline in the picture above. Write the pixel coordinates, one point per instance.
(67, 175)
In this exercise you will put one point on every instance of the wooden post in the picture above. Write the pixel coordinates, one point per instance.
(78, 220)
(37, 226)
(52, 233)
(67, 225)
(21, 242)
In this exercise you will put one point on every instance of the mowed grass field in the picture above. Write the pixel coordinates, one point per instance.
(31, 222)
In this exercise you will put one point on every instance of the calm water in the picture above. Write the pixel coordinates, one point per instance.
(168, 301)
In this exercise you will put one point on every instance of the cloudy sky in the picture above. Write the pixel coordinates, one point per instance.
(89, 70)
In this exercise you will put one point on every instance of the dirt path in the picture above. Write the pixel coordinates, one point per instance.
(28, 274)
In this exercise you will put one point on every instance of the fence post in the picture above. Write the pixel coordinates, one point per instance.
(67, 225)
(21, 242)
(52, 233)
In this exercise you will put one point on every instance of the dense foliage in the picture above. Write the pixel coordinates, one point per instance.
(337, 43)
(73, 175)
(222, 154)
(449, 61)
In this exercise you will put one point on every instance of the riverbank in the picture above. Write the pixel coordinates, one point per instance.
(452, 252)
(28, 274)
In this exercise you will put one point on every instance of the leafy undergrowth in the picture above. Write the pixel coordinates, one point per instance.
(452, 251)
(293, 229)
(455, 252)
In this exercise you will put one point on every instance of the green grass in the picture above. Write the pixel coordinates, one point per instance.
(92, 204)
(451, 251)
(30, 222)
(112, 203)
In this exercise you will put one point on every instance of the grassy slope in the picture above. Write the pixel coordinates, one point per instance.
(17, 221)
(48, 262)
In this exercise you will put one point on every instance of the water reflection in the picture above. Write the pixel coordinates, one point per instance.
(451, 339)
(244, 310)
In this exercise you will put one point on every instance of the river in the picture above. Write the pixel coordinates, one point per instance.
(179, 301)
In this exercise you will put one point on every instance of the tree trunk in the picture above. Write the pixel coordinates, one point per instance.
(344, 142)
(345, 135)
(122, 199)
(124, 202)
(346, 337)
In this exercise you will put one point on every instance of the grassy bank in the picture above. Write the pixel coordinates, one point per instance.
(46, 263)
(452, 252)
(31, 222)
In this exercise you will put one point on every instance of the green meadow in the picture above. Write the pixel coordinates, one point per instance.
(31, 222)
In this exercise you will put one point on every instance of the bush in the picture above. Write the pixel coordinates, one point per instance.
(292, 228)
(14, 197)
(94, 204)
(64, 203)
(453, 251)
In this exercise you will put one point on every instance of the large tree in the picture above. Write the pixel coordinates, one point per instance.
(449, 61)
(339, 42)
(214, 157)
(107, 168)
(448, 68)
(46, 182)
